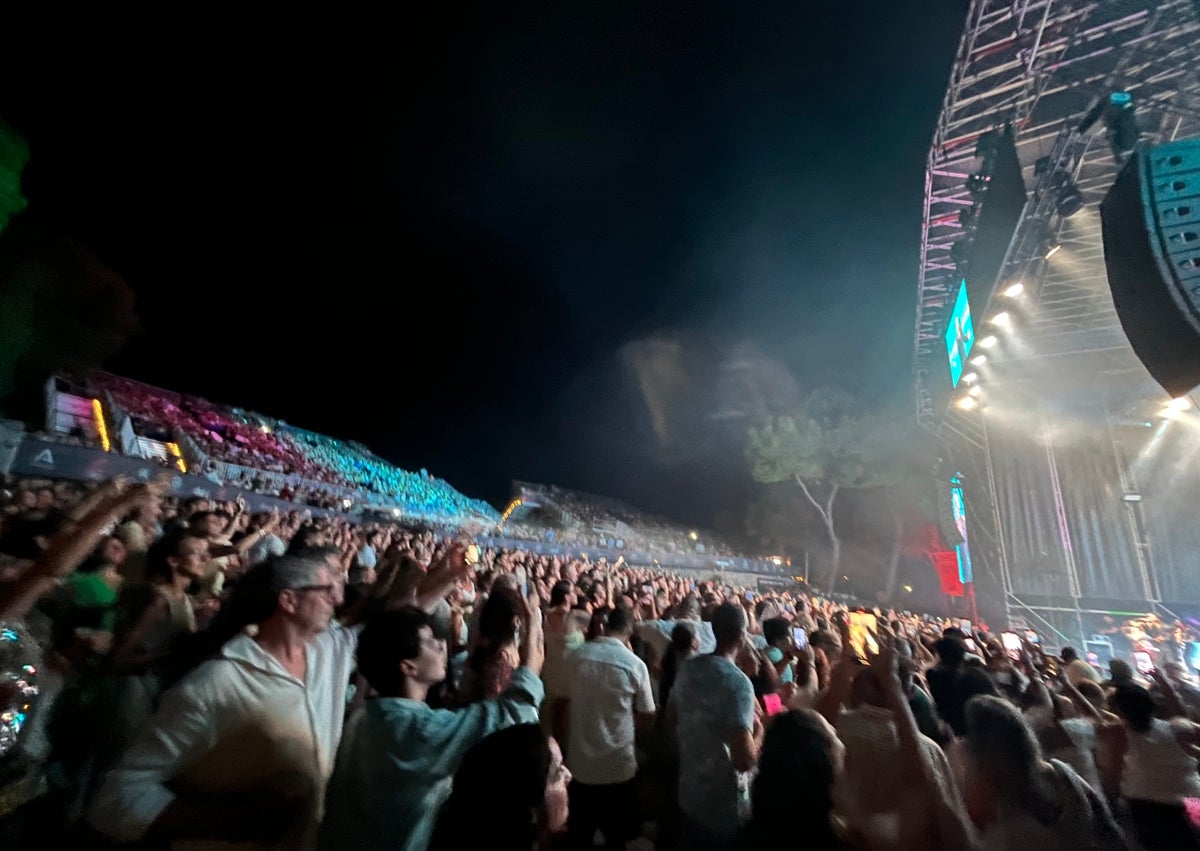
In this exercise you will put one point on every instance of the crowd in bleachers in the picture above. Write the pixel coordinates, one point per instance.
(357, 467)
(276, 459)
(590, 520)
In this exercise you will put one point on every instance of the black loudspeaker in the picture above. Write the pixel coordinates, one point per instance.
(1151, 222)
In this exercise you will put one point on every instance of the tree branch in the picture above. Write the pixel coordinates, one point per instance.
(824, 514)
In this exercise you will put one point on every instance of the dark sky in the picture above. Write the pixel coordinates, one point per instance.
(561, 242)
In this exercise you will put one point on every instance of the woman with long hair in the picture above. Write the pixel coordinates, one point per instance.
(510, 792)
(800, 761)
(494, 656)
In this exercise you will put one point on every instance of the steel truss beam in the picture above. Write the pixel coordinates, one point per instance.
(1040, 65)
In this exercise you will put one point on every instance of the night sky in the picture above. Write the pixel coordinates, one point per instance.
(580, 243)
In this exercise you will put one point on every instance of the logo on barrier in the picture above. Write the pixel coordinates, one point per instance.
(43, 459)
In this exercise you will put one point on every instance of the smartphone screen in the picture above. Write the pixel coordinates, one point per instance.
(1143, 662)
(971, 645)
(799, 637)
(863, 626)
(773, 703)
(1093, 659)
(1012, 644)
(1032, 637)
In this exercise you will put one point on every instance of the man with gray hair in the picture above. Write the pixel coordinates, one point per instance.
(242, 747)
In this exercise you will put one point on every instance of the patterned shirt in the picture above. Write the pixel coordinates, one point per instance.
(713, 700)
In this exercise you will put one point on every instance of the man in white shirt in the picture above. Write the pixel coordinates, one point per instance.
(610, 698)
(242, 747)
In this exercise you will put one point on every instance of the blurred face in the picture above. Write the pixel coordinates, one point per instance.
(190, 558)
(429, 665)
(312, 606)
(111, 576)
(556, 791)
(114, 551)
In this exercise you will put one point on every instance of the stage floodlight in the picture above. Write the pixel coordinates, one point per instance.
(1070, 199)
(1013, 290)
(975, 391)
(967, 403)
(979, 360)
(971, 377)
(989, 341)
(1181, 403)
(977, 185)
(1052, 249)
(1002, 319)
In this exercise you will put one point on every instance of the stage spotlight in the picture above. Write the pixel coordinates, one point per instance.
(967, 403)
(989, 341)
(1013, 290)
(975, 391)
(1053, 249)
(971, 377)
(1070, 199)
(1182, 403)
(1002, 319)
(979, 360)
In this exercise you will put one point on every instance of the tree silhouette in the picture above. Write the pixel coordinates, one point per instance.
(830, 446)
(61, 310)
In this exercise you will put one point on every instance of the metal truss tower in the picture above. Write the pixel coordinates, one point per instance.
(1041, 66)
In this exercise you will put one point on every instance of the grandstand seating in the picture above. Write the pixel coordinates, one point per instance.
(254, 450)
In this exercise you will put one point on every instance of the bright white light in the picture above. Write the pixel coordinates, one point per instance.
(967, 403)
(979, 360)
(1002, 319)
(1014, 290)
(1054, 249)
(988, 342)
(971, 377)
(975, 391)
(1181, 403)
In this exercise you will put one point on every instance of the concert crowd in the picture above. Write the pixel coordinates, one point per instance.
(179, 673)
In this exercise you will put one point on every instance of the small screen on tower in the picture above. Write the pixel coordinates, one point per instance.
(960, 334)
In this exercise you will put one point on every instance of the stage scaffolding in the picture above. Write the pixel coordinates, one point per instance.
(1040, 67)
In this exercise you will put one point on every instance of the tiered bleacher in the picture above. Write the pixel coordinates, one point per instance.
(550, 512)
(245, 449)
(242, 449)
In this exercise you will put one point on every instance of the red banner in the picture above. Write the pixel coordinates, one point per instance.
(946, 565)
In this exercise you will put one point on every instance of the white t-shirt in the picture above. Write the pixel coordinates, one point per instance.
(607, 684)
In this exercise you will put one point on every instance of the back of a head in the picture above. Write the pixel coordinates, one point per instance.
(1135, 705)
(1120, 670)
(690, 607)
(1002, 745)
(1068, 655)
(498, 787)
(775, 629)
(619, 623)
(682, 637)
(951, 651)
(496, 620)
(560, 593)
(728, 623)
(795, 780)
